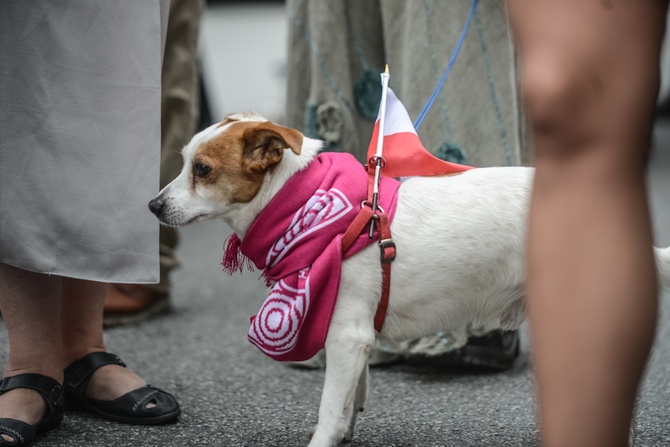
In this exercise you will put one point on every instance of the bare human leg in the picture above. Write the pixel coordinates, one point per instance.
(82, 311)
(30, 305)
(589, 80)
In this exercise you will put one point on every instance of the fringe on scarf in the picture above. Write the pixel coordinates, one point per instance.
(233, 259)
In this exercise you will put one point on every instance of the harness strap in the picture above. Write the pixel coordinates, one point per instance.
(387, 256)
(386, 245)
(356, 227)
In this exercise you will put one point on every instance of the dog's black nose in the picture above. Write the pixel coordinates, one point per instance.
(156, 206)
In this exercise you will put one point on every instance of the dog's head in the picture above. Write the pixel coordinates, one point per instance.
(227, 166)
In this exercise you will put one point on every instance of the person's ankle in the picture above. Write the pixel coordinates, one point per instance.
(55, 372)
(71, 355)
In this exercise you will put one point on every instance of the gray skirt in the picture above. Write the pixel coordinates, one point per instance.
(80, 136)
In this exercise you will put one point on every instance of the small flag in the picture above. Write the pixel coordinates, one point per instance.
(402, 149)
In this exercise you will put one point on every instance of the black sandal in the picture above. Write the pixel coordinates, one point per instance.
(52, 393)
(131, 408)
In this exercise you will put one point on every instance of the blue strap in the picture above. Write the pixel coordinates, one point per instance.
(439, 85)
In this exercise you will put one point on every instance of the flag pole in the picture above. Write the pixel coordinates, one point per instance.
(380, 146)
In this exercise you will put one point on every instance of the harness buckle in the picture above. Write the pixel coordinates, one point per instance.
(387, 248)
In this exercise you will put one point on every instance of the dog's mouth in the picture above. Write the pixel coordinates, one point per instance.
(172, 222)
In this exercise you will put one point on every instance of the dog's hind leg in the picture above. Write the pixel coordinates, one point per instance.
(346, 371)
(359, 401)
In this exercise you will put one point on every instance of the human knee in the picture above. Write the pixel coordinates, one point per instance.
(575, 113)
(553, 95)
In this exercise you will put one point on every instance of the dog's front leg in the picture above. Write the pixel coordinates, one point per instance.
(359, 401)
(346, 371)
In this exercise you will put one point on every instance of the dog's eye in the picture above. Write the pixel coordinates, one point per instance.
(201, 170)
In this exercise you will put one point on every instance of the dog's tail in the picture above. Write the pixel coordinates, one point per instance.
(663, 266)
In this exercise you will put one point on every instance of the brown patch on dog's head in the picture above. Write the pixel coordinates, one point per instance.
(233, 164)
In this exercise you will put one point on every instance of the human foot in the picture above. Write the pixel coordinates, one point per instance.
(99, 383)
(23, 405)
(110, 382)
(29, 403)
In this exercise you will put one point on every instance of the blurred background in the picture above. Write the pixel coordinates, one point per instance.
(243, 48)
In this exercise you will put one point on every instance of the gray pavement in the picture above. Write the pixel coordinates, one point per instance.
(232, 395)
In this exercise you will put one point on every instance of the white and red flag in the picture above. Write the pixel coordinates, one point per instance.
(402, 149)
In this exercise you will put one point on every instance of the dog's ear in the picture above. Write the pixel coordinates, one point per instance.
(263, 145)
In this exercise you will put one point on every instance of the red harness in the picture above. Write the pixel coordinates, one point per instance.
(386, 244)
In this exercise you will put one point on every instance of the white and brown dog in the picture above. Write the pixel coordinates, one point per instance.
(459, 238)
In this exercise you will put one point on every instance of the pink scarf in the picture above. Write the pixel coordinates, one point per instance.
(296, 240)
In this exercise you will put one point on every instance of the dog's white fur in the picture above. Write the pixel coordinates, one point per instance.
(460, 246)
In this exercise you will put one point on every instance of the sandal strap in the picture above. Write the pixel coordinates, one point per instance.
(79, 372)
(21, 432)
(50, 389)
